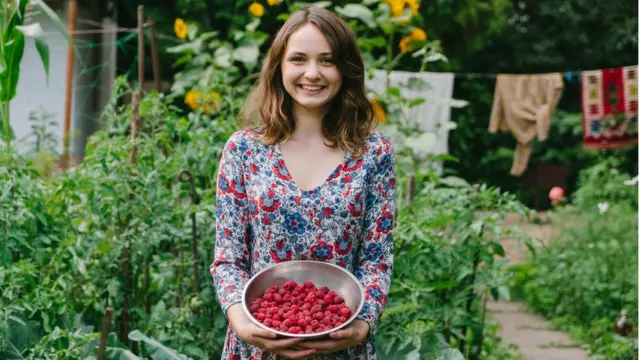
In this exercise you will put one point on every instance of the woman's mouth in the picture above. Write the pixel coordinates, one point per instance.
(311, 89)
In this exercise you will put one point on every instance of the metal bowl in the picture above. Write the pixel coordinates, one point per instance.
(320, 273)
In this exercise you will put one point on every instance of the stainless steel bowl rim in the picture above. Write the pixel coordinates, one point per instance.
(314, 335)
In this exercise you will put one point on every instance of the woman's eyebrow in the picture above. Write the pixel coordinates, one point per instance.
(301, 53)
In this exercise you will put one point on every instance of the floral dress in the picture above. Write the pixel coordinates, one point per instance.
(263, 218)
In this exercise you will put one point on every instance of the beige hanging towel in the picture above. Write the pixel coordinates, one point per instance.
(523, 105)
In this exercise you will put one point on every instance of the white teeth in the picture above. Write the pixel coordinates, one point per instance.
(312, 88)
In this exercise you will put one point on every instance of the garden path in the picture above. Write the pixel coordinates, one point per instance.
(531, 334)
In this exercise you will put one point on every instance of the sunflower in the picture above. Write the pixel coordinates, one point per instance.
(181, 29)
(273, 2)
(256, 9)
(191, 99)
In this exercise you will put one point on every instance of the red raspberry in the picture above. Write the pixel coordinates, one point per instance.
(333, 321)
(282, 291)
(261, 316)
(315, 309)
(308, 318)
(328, 313)
(310, 299)
(295, 293)
(268, 291)
(295, 308)
(286, 322)
(324, 289)
(275, 317)
(338, 300)
(273, 310)
(305, 306)
(254, 307)
(320, 302)
(314, 323)
(286, 298)
(302, 323)
(342, 318)
(332, 293)
(276, 323)
(268, 322)
(268, 296)
(319, 294)
(318, 315)
(307, 284)
(284, 328)
(277, 298)
(308, 331)
(345, 312)
(328, 299)
(333, 308)
(268, 316)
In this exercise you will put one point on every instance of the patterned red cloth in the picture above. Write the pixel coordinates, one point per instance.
(610, 107)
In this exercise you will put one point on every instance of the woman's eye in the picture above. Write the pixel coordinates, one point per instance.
(327, 61)
(297, 59)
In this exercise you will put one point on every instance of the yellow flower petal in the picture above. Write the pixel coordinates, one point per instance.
(181, 29)
(396, 6)
(405, 45)
(379, 111)
(414, 6)
(418, 34)
(273, 2)
(256, 9)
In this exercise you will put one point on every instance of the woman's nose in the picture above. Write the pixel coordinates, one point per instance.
(312, 71)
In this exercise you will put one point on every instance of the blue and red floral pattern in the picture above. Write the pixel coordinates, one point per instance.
(263, 218)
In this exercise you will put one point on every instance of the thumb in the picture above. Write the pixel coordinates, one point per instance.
(260, 332)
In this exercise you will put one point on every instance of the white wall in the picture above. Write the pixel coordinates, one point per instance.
(91, 85)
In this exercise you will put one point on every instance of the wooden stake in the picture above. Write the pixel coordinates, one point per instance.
(71, 24)
(155, 60)
(140, 46)
(106, 326)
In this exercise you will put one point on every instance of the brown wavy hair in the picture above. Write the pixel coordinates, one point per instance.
(350, 116)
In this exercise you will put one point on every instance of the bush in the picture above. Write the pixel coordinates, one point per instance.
(588, 274)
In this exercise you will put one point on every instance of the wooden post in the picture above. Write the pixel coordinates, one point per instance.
(106, 326)
(155, 60)
(410, 190)
(136, 121)
(141, 46)
(71, 24)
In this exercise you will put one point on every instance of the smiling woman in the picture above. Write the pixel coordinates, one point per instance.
(312, 181)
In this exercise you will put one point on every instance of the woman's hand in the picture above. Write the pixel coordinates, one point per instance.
(251, 333)
(345, 338)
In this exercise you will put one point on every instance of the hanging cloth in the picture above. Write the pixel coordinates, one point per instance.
(610, 107)
(434, 114)
(524, 105)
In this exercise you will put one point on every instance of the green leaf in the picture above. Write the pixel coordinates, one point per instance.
(119, 354)
(247, 54)
(156, 350)
(13, 51)
(497, 249)
(44, 8)
(504, 292)
(454, 181)
(451, 354)
(358, 11)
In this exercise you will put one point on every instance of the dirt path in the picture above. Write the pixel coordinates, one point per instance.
(532, 334)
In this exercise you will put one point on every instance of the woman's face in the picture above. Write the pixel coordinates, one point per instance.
(308, 72)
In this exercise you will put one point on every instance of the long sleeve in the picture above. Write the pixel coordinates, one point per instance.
(231, 264)
(375, 255)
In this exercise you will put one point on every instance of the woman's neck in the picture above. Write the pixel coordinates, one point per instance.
(308, 124)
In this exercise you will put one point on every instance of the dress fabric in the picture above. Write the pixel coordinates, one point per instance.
(263, 218)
